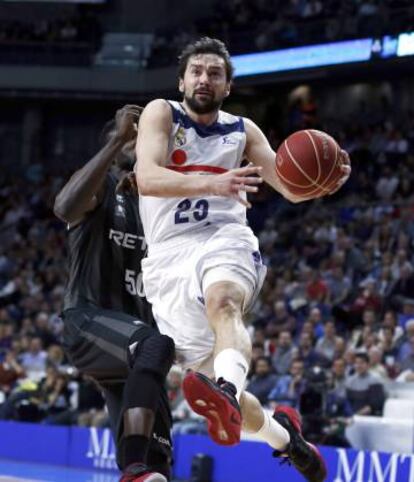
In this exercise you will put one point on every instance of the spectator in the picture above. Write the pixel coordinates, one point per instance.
(405, 346)
(258, 350)
(53, 396)
(340, 347)
(10, 372)
(281, 320)
(376, 367)
(6, 336)
(309, 355)
(289, 388)
(368, 298)
(389, 349)
(390, 321)
(387, 184)
(315, 318)
(263, 380)
(404, 286)
(407, 311)
(370, 325)
(33, 361)
(364, 391)
(42, 329)
(284, 354)
(316, 289)
(339, 285)
(56, 358)
(407, 359)
(338, 379)
(327, 344)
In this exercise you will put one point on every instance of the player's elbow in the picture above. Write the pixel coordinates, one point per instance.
(62, 210)
(144, 185)
(146, 181)
(59, 209)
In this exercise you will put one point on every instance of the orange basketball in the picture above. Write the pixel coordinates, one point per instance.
(308, 163)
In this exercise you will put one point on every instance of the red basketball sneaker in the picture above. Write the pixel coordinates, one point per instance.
(304, 456)
(141, 473)
(217, 403)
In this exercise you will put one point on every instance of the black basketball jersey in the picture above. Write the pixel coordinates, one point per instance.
(105, 252)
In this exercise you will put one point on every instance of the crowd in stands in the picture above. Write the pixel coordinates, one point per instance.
(244, 25)
(334, 322)
(44, 41)
(252, 25)
(72, 29)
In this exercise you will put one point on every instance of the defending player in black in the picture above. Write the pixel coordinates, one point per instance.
(109, 333)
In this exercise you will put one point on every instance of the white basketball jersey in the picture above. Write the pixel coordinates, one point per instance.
(196, 149)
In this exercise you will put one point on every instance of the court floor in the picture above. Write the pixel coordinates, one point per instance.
(26, 472)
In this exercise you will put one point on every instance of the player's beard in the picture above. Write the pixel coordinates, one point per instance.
(209, 105)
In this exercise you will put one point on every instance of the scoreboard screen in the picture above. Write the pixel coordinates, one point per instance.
(321, 55)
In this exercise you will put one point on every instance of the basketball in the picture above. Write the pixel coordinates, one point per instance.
(308, 163)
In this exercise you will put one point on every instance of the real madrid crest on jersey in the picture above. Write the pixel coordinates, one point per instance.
(120, 205)
(180, 139)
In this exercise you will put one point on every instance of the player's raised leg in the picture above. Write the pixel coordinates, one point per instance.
(219, 401)
(224, 403)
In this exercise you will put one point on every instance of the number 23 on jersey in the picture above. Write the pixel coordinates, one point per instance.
(189, 211)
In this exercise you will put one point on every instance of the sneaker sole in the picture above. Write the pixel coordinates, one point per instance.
(223, 420)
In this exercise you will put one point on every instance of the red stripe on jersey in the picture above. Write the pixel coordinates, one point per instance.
(200, 168)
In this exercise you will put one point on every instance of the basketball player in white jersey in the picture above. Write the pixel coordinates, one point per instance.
(203, 268)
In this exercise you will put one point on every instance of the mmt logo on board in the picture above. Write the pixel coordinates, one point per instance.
(373, 467)
(101, 449)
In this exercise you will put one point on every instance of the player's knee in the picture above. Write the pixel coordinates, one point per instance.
(224, 299)
(156, 354)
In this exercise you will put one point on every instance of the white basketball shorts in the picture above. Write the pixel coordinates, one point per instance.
(176, 278)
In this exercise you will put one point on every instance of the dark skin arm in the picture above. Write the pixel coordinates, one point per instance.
(84, 190)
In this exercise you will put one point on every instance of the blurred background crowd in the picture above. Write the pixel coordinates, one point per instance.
(76, 34)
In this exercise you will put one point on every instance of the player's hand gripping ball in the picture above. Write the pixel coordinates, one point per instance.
(311, 164)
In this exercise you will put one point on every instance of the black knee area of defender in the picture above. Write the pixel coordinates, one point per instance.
(155, 354)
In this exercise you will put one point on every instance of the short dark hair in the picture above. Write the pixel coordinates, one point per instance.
(362, 356)
(258, 344)
(264, 358)
(205, 45)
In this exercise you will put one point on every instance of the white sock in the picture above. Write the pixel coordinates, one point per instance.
(231, 365)
(273, 433)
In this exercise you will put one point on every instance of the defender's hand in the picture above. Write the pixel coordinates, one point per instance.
(232, 182)
(126, 122)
